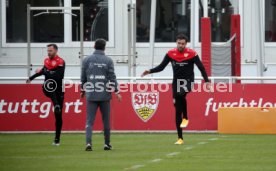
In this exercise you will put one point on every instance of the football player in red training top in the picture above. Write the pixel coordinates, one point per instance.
(53, 70)
(182, 60)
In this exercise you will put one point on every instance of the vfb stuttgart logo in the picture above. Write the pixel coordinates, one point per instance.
(145, 104)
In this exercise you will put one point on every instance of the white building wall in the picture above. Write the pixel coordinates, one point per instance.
(18, 55)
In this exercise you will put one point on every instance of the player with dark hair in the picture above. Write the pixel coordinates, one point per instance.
(53, 70)
(182, 60)
(98, 69)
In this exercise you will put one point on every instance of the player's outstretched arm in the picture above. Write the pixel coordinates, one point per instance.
(158, 68)
(201, 68)
(203, 73)
(38, 72)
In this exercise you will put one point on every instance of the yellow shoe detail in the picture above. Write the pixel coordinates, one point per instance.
(179, 142)
(184, 123)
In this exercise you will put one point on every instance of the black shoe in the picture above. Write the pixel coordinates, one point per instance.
(56, 142)
(57, 109)
(88, 147)
(107, 147)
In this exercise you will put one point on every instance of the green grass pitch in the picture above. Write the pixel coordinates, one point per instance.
(141, 151)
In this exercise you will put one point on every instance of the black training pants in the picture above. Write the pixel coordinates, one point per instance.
(57, 98)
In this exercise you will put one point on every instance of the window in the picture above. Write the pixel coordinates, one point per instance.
(172, 18)
(56, 27)
(220, 12)
(95, 20)
(45, 28)
(270, 20)
(143, 9)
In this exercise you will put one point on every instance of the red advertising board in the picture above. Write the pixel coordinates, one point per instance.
(25, 108)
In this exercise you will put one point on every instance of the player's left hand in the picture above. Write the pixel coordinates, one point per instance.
(209, 87)
(119, 97)
(146, 72)
(28, 81)
(82, 95)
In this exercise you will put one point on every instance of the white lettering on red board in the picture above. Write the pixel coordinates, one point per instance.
(214, 106)
(43, 109)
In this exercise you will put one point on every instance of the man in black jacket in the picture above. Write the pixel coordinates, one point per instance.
(182, 60)
(53, 70)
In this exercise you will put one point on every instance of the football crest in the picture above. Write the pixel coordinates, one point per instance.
(186, 55)
(54, 63)
(145, 104)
